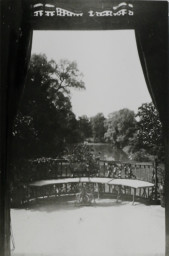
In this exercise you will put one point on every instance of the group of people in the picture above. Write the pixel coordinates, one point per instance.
(118, 172)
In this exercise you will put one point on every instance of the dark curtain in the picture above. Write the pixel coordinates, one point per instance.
(16, 42)
(151, 32)
(152, 43)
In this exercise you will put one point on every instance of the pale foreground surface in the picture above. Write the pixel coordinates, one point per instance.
(106, 229)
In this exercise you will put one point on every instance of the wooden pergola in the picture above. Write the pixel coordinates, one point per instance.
(19, 18)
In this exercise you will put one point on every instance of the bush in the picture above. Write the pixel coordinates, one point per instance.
(141, 156)
(83, 160)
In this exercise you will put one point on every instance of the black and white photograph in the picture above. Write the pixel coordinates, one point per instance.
(84, 152)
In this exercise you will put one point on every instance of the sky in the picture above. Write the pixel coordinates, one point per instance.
(109, 62)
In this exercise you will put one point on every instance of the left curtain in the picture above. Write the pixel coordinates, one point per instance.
(16, 42)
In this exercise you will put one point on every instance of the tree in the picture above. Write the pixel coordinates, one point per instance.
(150, 135)
(23, 128)
(120, 127)
(46, 105)
(66, 76)
(82, 159)
(84, 125)
(98, 127)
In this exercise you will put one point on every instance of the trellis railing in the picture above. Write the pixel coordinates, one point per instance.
(63, 169)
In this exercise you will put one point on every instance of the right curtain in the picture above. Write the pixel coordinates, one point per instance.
(151, 30)
(152, 43)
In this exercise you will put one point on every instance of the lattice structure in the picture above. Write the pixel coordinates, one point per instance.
(40, 9)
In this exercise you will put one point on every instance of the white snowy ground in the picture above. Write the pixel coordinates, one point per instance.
(107, 229)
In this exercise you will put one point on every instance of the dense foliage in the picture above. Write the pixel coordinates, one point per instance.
(45, 121)
(150, 135)
(98, 127)
(140, 135)
(85, 129)
(120, 127)
(85, 159)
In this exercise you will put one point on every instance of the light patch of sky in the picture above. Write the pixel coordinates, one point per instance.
(109, 62)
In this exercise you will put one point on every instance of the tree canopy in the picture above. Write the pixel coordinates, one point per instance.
(85, 129)
(98, 127)
(120, 126)
(45, 121)
(150, 135)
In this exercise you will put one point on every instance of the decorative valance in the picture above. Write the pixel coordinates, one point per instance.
(60, 10)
